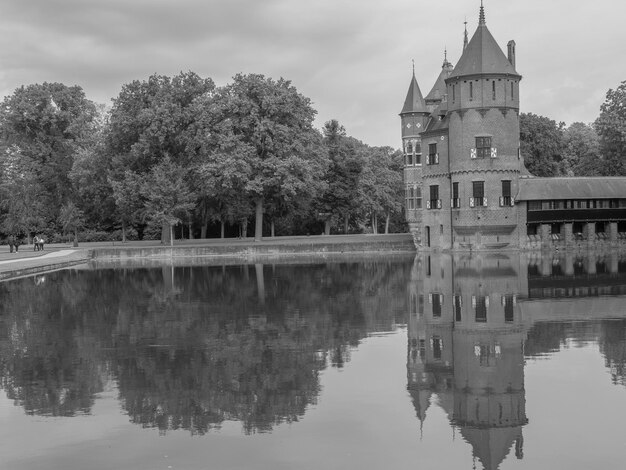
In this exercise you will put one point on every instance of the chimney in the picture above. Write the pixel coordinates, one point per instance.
(511, 50)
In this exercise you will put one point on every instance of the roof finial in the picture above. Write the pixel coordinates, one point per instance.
(481, 17)
(413, 61)
(465, 34)
(445, 53)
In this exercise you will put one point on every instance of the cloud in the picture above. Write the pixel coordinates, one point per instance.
(352, 58)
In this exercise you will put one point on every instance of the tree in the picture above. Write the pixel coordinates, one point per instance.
(149, 122)
(582, 150)
(20, 194)
(541, 145)
(381, 184)
(611, 127)
(127, 196)
(167, 195)
(72, 219)
(268, 127)
(90, 176)
(340, 199)
(49, 123)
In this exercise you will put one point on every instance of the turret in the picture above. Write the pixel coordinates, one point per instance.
(413, 117)
(438, 93)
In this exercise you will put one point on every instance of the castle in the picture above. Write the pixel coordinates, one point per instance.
(466, 186)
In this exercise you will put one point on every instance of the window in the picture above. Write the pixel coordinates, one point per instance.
(456, 201)
(418, 153)
(457, 308)
(508, 308)
(453, 92)
(478, 193)
(471, 91)
(436, 305)
(437, 345)
(493, 90)
(512, 92)
(409, 147)
(409, 159)
(433, 157)
(483, 147)
(434, 197)
(506, 193)
(481, 309)
(413, 197)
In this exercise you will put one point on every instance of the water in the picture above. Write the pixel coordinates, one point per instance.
(492, 361)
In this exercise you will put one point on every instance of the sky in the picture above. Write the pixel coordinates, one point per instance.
(353, 59)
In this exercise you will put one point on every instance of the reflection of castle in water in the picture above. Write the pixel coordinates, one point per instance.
(469, 321)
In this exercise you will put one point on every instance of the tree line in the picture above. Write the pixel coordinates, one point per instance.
(236, 160)
(597, 149)
(180, 153)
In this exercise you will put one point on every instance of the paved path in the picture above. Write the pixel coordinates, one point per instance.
(19, 258)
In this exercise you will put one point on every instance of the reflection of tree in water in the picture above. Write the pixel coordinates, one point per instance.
(192, 347)
(233, 346)
(613, 347)
(49, 362)
(547, 337)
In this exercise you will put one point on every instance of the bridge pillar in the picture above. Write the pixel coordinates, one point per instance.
(613, 232)
(569, 263)
(568, 233)
(589, 232)
(545, 232)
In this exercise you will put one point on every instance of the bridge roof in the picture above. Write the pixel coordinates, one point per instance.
(602, 187)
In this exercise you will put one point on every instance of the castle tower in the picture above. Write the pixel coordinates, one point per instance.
(413, 117)
(470, 163)
(484, 164)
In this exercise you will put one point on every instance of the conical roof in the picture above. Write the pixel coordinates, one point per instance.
(414, 102)
(483, 55)
(439, 88)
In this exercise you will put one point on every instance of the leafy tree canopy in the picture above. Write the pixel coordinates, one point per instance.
(541, 145)
(611, 127)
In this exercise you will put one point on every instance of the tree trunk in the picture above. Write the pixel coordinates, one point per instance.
(374, 223)
(75, 237)
(190, 231)
(166, 234)
(258, 220)
(171, 235)
(327, 227)
(123, 232)
(203, 229)
(222, 224)
(387, 224)
(244, 228)
(346, 225)
(273, 233)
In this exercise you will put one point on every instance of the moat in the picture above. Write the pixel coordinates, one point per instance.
(468, 361)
